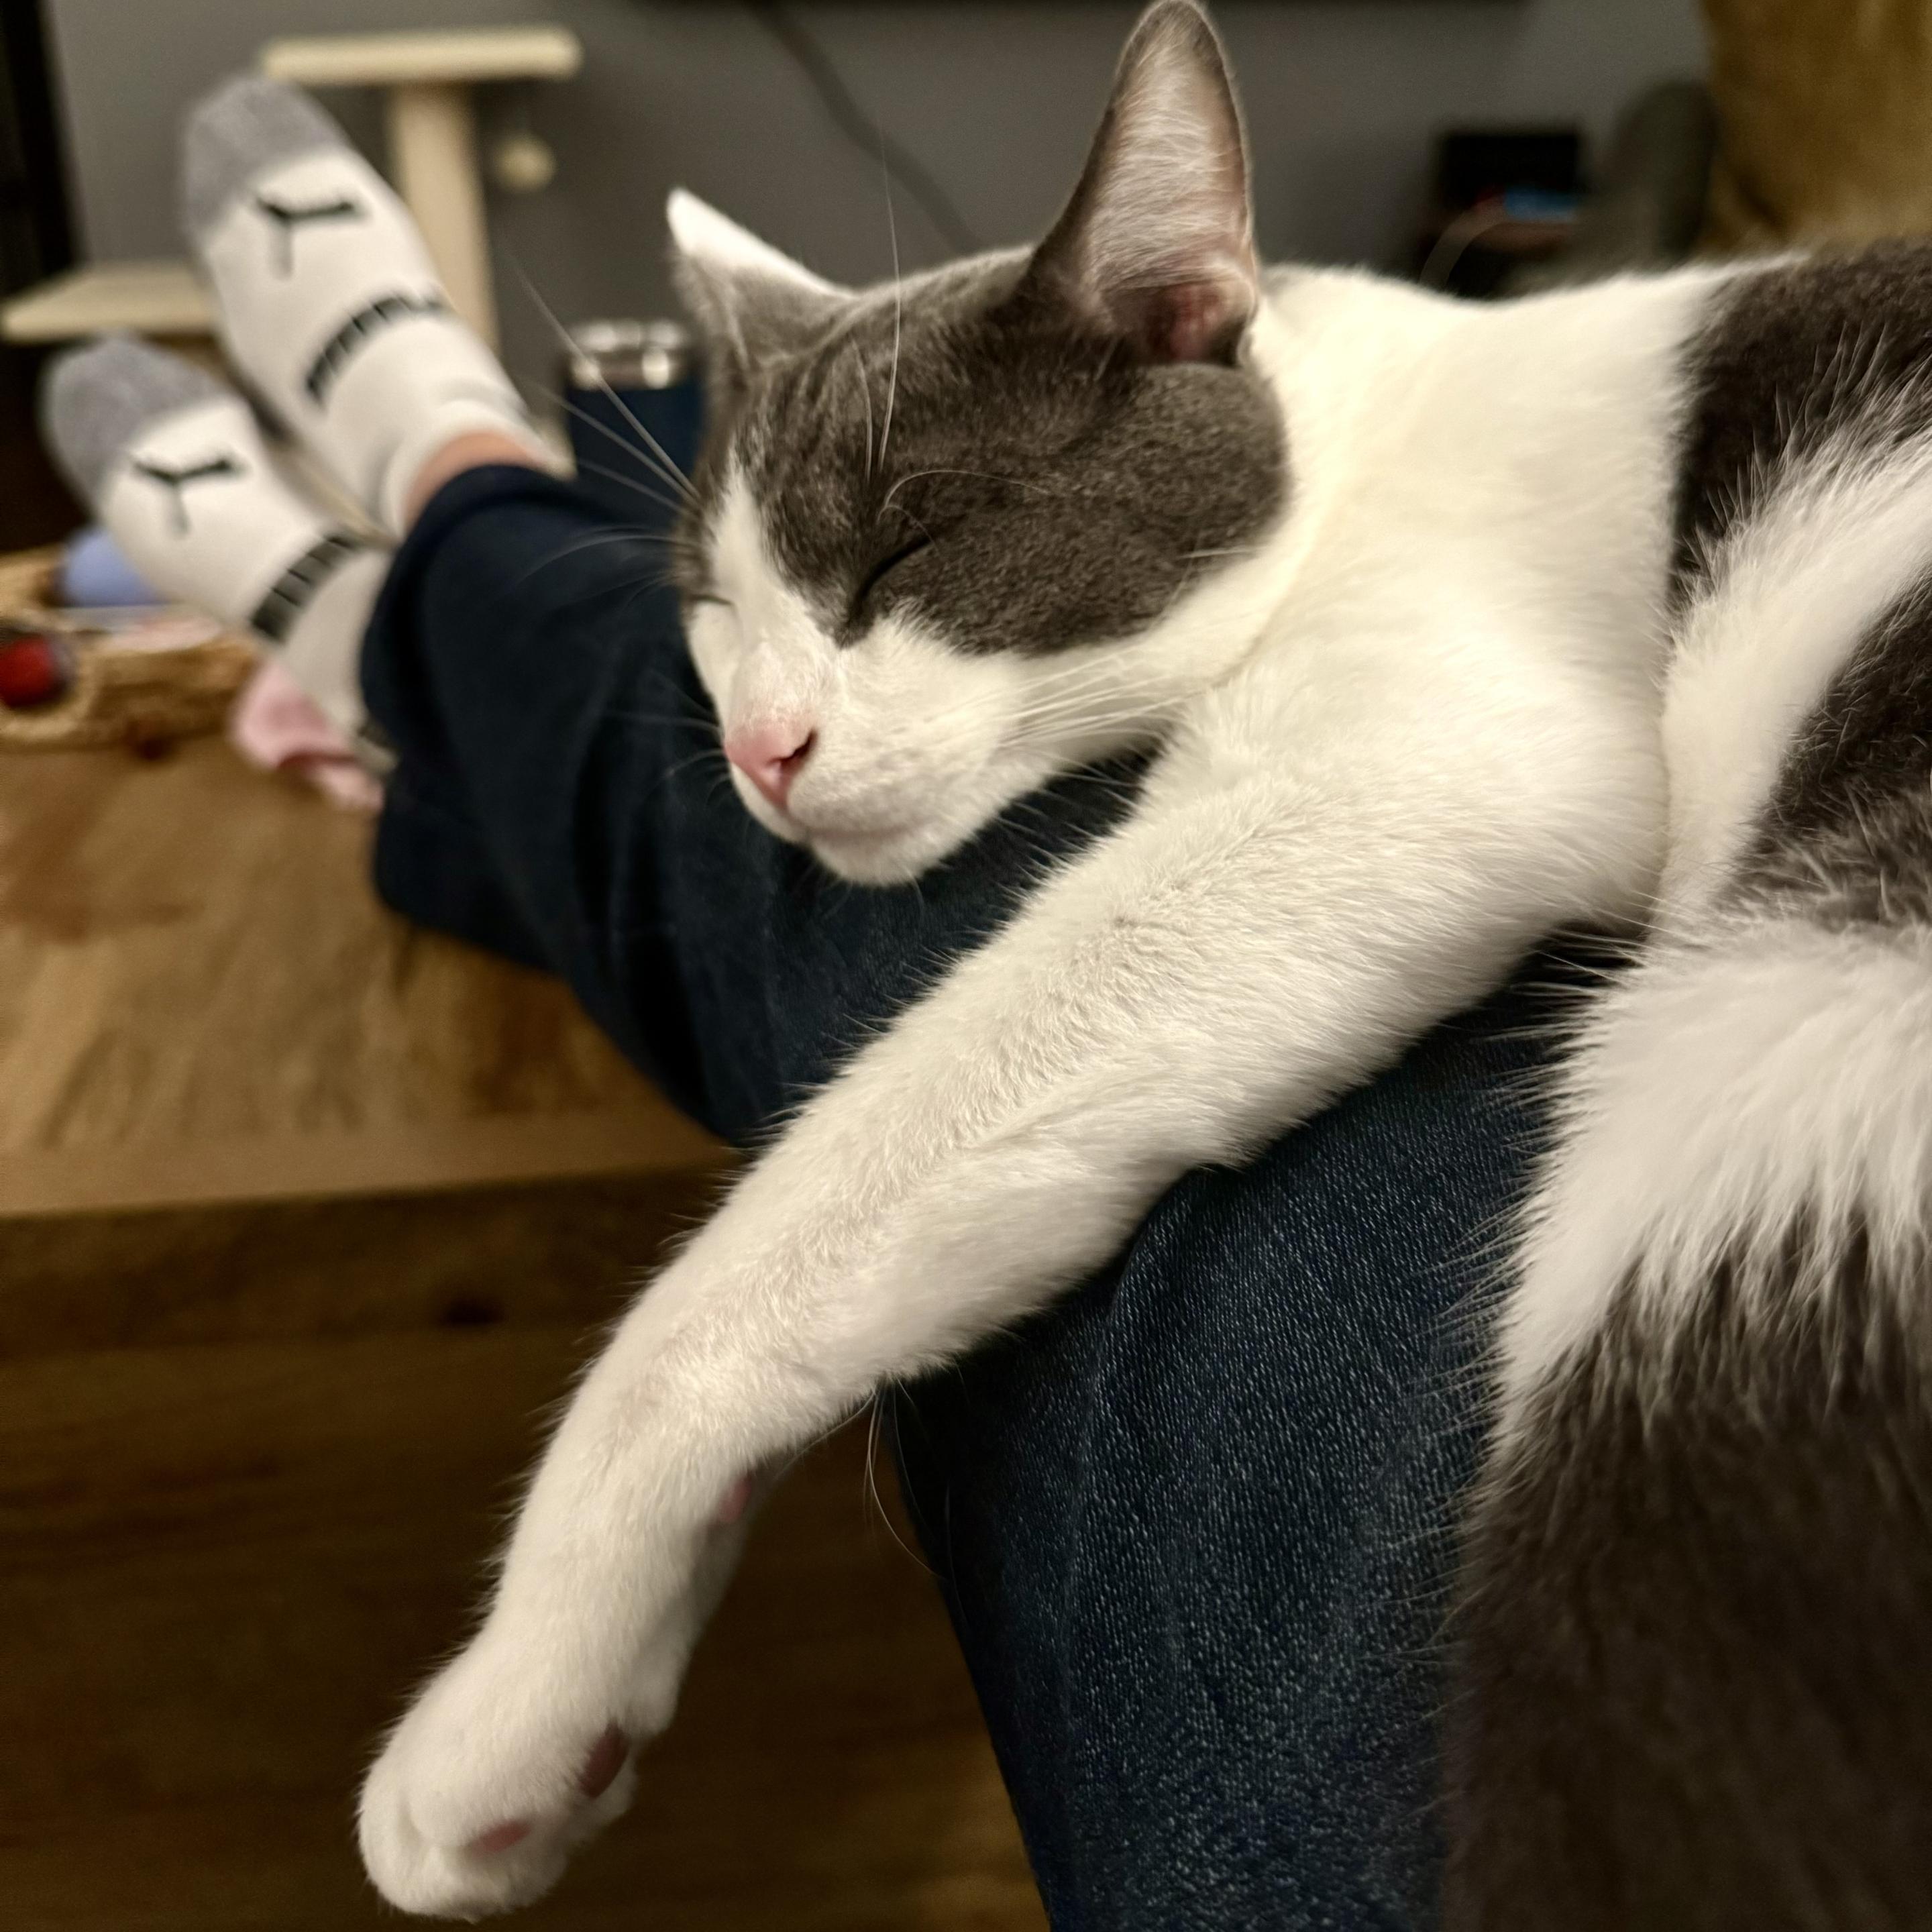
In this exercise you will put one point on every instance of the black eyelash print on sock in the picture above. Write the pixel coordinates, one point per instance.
(288, 220)
(292, 592)
(176, 481)
(378, 315)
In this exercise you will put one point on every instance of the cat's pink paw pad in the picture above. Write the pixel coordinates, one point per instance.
(601, 1770)
(605, 1761)
(499, 1838)
(420, 1864)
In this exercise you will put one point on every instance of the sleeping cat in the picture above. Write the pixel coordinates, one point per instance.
(1446, 625)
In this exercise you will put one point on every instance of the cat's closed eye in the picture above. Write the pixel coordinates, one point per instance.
(883, 568)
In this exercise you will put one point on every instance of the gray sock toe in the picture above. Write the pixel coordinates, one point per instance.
(246, 125)
(95, 401)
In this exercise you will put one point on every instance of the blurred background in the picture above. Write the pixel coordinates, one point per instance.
(305, 1214)
(778, 115)
(997, 103)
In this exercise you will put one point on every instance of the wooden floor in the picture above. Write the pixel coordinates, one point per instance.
(200, 998)
(304, 1220)
(222, 1565)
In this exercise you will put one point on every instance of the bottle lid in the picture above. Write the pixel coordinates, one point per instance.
(627, 354)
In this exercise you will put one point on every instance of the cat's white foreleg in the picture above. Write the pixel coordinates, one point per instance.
(1232, 958)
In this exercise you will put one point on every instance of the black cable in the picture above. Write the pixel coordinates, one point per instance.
(860, 129)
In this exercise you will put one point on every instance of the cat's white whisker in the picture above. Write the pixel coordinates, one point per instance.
(898, 324)
(602, 540)
(865, 396)
(987, 475)
(638, 489)
(638, 455)
(632, 483)
(672, 474)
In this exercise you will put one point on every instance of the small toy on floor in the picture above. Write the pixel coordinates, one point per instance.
(134, 671)
(35, 670)
(131, 676)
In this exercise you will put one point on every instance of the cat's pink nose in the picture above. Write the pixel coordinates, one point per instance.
(770, 756)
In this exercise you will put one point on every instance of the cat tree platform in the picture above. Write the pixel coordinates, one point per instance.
(162, 299)
(428, 79)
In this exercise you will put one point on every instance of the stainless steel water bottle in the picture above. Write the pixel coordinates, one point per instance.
(630, 386)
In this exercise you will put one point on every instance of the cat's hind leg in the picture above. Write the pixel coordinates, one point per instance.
(1694, 1690)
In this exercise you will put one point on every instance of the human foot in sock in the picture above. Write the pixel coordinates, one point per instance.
(174, 465)
(328, 304)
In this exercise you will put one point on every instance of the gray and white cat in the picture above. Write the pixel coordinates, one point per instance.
(1448, 625)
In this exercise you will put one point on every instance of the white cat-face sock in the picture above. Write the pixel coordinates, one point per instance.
(174, 465)
(328, 304)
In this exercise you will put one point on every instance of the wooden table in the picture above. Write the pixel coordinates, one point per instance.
(305, 1216)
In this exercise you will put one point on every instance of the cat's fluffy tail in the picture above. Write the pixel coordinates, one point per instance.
(1695, 1638)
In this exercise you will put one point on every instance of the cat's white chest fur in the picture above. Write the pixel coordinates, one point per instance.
(1473, 564)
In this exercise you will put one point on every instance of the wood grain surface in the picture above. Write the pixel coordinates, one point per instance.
(220, 1567)
(191, 958)
(306, 1219)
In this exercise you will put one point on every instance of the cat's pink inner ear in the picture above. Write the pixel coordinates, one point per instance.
(1156, 245)
(737, 1500)
(1192, 321)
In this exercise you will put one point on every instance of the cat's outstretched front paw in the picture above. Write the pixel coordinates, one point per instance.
(490, 1783)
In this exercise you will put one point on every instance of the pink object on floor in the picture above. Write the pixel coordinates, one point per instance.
(276, 726)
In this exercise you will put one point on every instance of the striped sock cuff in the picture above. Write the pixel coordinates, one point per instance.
(366, 321)
(290, 594)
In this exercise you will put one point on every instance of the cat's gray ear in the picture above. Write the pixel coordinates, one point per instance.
(1156, 247)
(752, 302)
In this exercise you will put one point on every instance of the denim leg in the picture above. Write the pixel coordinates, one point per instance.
(1193, 1525)
(517, 660)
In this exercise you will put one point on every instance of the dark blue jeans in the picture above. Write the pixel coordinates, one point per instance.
(1195, 1526)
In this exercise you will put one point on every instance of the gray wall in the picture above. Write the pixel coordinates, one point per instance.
(997, 99)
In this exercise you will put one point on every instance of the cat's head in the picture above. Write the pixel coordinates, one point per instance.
(950, 536)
